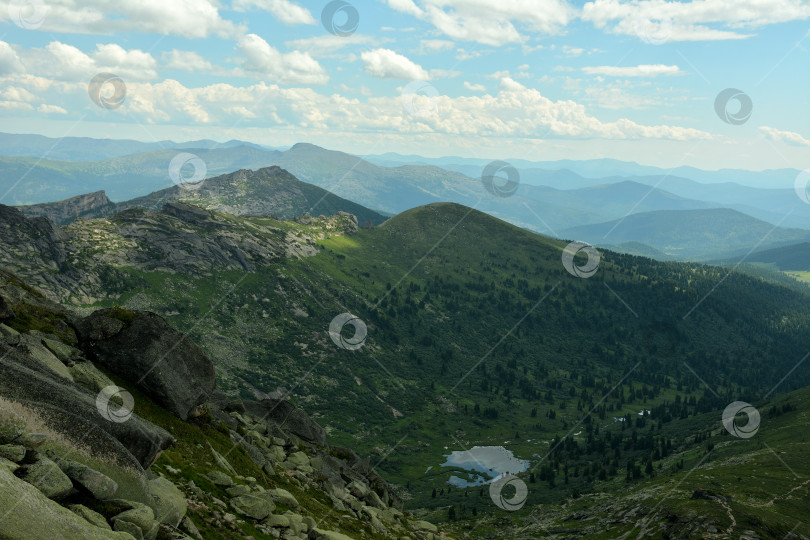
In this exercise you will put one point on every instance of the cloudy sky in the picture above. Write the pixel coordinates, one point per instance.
(708, 83)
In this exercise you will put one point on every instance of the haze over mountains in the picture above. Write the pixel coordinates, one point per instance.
(638, 206)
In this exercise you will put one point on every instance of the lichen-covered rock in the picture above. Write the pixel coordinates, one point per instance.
(40, 517)
(144, 349)
(320, 534)
(252, 506)
(139, 515)
(89, 376)
(97, 484)
(48, 478)
(170, 504)
(72, 411)
(90, 515)
(13, 452)
(219, 478)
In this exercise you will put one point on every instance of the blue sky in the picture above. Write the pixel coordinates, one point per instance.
(531, 79)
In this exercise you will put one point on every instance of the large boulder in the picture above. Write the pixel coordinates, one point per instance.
(40, 517)
(169, 503)
(72, 410)
(97, 484)
(288, 416)
(142, 348)
(48, 478)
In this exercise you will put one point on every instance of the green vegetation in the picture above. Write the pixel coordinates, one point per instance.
(477, 335)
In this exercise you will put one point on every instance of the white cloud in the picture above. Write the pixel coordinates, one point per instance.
(9, 61)
(698, 20)
(572, 52)
(406, 6)
(788, 137)
(490, 23)
(283, 10)
(188, 18)
(387, 64)
(462, 54)
(51, 109)
(291, 68)
(427, 46)
(328, 45)
(475, 87)
(644, 70)
(186, 61)
(63, 62)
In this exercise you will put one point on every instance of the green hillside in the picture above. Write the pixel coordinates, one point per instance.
(477, 335)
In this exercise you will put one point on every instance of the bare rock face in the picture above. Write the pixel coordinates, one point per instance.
(287, 416)
(90, 205)
(72, 410)
(142, 348)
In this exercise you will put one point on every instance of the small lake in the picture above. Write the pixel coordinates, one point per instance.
(484, 463)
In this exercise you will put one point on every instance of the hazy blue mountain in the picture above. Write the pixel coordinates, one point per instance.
(602, 168)
(690, 234)
(89, 149)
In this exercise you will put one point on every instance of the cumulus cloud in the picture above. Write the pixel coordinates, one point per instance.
(186, 61)
(788, 137)
(644, 70)
(188, 18)
(283, 10)
(387, 64)
(475, 87)
(9, 61)
(699, 20)
(291, 68)
(490, 23)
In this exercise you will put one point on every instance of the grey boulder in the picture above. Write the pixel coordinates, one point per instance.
(144, 349)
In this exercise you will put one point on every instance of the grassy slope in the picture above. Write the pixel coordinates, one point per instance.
(459, 281)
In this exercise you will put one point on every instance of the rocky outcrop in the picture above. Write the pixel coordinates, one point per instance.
(72, 410)
(142, 348)
(42, 517)
(283, 413)
(91, 205)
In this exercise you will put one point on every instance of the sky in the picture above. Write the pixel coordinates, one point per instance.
(707, 83)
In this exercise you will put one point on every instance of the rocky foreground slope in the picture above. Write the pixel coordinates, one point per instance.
(111, 428)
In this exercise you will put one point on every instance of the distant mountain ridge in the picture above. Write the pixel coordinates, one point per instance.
(268, 191)
(690, 234)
